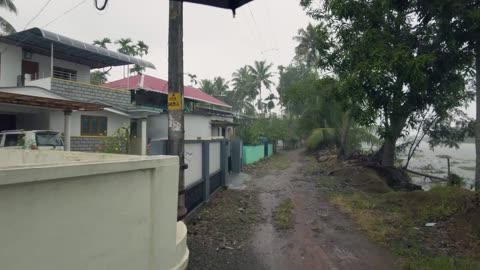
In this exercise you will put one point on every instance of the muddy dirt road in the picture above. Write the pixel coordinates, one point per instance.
(321, 237)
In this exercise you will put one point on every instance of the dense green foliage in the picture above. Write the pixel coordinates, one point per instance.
(321, 137)
(458, 22)
(390, 67)
(274, 129)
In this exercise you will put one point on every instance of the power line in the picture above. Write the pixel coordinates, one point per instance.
(269, 19)
(66, 12)
(256, 29)
(38, 14)
(52, 21)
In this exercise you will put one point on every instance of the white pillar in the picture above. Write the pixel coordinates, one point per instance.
(51, 61)
(66, 132)
(143, 141)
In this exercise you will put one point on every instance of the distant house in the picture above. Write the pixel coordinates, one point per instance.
(206, 117)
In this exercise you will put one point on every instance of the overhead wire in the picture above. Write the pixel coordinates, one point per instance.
(38, 14)
(29, 22)
(52, 21)
(256, 30)
(66, 12)
(269, 20)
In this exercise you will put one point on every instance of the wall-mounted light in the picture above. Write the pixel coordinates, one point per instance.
(27, 55)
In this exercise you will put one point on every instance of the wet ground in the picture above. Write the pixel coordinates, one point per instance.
(322, 238)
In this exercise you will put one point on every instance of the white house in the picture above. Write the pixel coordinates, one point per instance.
(37, 63)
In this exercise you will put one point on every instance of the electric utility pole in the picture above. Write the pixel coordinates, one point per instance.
(176, 131)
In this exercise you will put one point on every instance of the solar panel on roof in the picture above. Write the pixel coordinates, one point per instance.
(71, 49)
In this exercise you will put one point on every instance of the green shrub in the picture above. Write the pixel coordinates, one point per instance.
(321, 137)
(454, 180)
(116, 144)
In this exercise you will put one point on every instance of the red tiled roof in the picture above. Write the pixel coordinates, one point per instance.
(161, 86)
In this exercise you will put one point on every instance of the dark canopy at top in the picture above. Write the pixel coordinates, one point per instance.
(229, 4)
(39, 41)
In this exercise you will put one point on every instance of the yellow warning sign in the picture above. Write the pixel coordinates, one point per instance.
(175, 101)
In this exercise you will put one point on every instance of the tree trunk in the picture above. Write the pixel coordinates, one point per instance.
(388, 154)
(477, 121)
(396, 127)
(343, 137)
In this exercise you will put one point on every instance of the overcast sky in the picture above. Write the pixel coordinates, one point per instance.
(215, 43)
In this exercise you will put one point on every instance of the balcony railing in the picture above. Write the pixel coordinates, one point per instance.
(69, 76)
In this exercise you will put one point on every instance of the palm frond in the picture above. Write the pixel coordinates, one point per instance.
(5, 27)
(9, 5)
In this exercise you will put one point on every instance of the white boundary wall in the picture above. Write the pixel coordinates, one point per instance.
(76, 211)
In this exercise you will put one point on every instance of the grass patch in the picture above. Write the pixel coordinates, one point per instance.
(283, 216)
(397, 219)
(277, 162)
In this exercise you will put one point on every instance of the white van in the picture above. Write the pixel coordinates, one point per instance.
(33, 139)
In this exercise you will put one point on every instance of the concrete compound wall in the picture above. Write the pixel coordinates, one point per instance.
(214, 157)
(70, 210)
(254, 153)
(85, 144)
(193, 157)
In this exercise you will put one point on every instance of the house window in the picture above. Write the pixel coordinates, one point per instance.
(64, 73)
(93, 125)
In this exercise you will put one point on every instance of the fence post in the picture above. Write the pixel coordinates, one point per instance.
(206, 169)
(224, 161)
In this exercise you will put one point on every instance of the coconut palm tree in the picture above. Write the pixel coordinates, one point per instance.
(262, 78)
(313, 45)
(126, 47)
(221, 86)
(206, 86)
(244, 83)
(100, 76)
(141, 49)
(216, 87)
(270, 103)
(102, 42)
(5, 26)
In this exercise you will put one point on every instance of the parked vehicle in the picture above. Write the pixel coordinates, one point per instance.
(33, 139)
